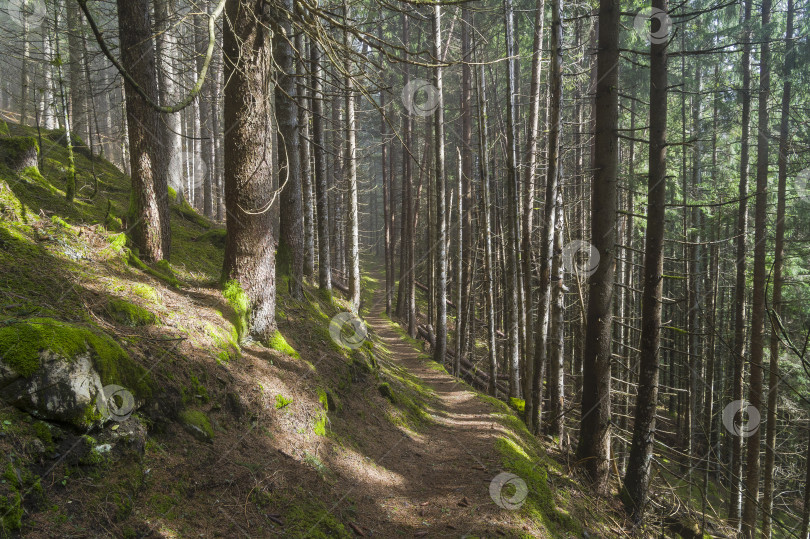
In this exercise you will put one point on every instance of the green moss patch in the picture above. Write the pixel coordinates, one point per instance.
(43, 432)
(215, 237)
(12, 148)
(238, 300)
(519, 405)
(185, 211)
(11, 512)
(22, 342)
(319, 426)
(386, 391)
(279, 343)
(160, 271)
(519, 457)
(197, 424)
(306, 517)
(146, 292)
(130, 314)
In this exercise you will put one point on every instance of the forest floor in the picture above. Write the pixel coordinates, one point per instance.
(299, 438)
(450, 464)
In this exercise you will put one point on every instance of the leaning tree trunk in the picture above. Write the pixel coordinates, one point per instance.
(637, 478)
(149, 204)
(594, 441)
(249, 190)
(290, 255)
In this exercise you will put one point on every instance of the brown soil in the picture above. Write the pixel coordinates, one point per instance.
(446, 469)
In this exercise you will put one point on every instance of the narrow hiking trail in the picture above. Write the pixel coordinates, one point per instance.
(447, 467)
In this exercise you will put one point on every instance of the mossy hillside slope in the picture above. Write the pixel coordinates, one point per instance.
(223, 454)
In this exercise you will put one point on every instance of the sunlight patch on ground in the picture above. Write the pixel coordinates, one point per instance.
(359, 468)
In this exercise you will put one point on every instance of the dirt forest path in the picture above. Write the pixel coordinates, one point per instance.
(448, 466)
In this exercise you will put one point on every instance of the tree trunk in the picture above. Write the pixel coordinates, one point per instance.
(776, 303)
(594, 442)
(303, 106)
(149, 201)
(529, 183)
(78, 88)
(468, 245)
(483, 162)
(511, 217)
(637, 478)
(805, 533)
(556, 332)
(249, 190)
(441, 223)
(751, 505)
(533, 416)
(735, 472)
(321, 190)
(290, 255)
(169, 132)
(205, 103)
(352, 228)
(25, 76)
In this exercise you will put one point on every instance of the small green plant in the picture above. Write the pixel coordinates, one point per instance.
(282, 402)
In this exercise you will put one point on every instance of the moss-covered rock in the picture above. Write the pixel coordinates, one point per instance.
(4, 132)
(130, 314)
(57, 371)
(197, 424)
